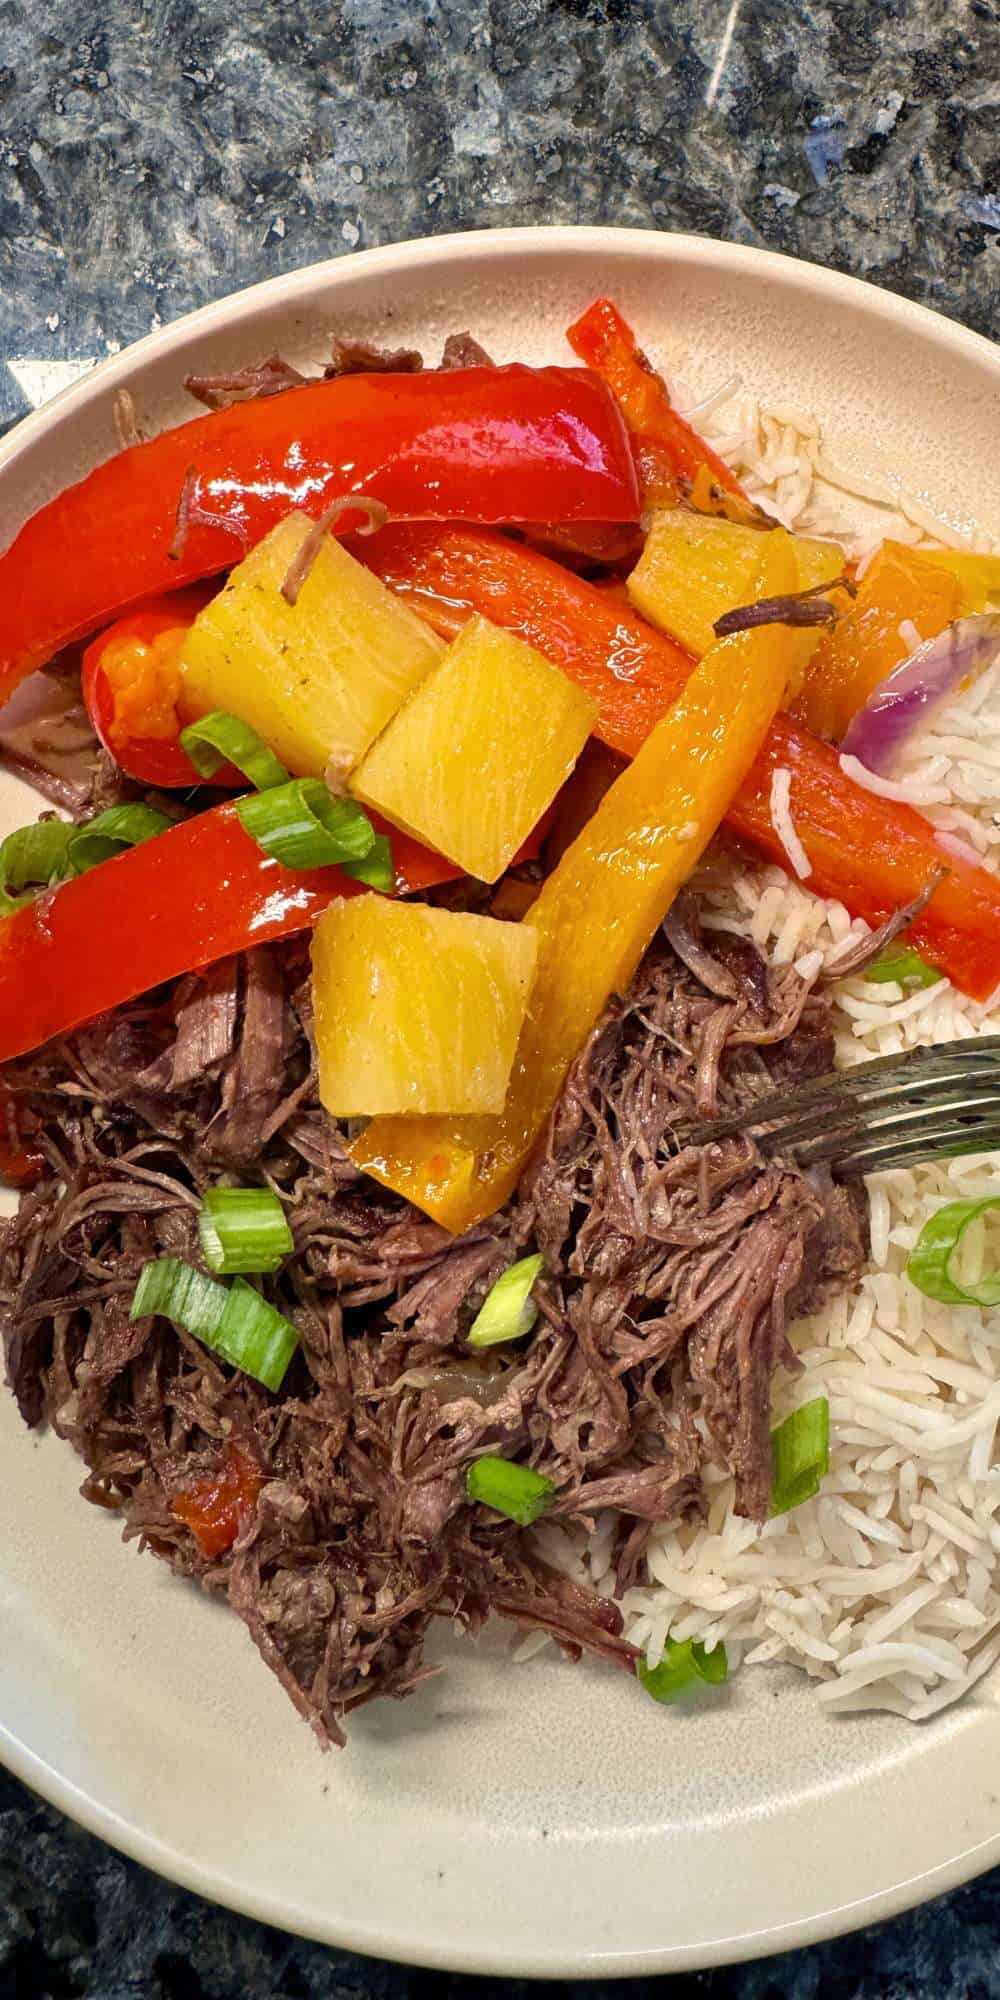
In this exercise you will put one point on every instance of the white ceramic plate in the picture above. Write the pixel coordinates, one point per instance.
(539, 1819)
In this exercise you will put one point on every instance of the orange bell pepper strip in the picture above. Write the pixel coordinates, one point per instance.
(191, 895)
(597, 912)
(477, 444)
(669, 453)
(870, 854)
(131, 683)
(899, 587)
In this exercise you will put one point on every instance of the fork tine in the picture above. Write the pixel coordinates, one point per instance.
(844, 1124)
(936, 1070)
(922, 1105)
(878, 1155)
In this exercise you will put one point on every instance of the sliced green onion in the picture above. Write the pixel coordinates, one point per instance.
(683, 1665)
(929, 1263)
(111, 832)
(221, 738)
(33, 856)
(509, 1489)
(377, 868)
(302, 826)
(243, 1229)
(801, 1450)
(508, 1311)
(905, 966)
(232, 1319)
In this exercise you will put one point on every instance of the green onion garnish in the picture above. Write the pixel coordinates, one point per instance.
(33, 856)
(302, 826)
(377, 867)
(801, 1451)
(929, 1263)
(243, 1229)
(232, 1319)
(905, 966)
(509, 1489)
(111, 832)
(221, 738)
(683, 1665)
(508, 1311)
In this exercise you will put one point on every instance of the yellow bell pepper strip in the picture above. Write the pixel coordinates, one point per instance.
(978, 577)
(900, 588)
(597, 912)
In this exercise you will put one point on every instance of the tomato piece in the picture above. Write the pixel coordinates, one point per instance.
(131, 687)
(20, 1163)
(218, 1505)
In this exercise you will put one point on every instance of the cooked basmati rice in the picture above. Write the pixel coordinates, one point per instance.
(886, 1587)
(784, 825)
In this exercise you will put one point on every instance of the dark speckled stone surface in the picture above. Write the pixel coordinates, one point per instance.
(155, 154)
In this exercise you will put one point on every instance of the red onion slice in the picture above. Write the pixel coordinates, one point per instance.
(908, 696)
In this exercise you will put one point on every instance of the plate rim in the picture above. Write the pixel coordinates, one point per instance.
(799, 273)
(385, 1936)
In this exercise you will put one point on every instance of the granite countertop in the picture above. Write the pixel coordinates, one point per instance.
(155, 154)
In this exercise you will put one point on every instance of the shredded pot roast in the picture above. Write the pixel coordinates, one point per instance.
(669, 1281)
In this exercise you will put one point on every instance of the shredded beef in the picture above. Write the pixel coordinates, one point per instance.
(361, 357)
(274, 374)
(462, 350)
(50, 743)
(863, 954)
(670, 1274)
(244, 385)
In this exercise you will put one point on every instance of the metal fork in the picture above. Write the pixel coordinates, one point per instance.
(898, 1111)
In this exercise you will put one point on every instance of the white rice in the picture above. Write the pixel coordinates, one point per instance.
(784, 825)
(886, 1587)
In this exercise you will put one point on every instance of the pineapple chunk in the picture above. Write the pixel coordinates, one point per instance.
(416, 1009)
(473, 758)
(695, 567)
(319, 679)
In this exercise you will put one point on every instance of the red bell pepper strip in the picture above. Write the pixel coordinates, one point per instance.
(192, 895)
(216, 1506)
(668, 451)
(132, 663)
(874, 856)
(446, 573)
(478, 444)
(870, 854)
